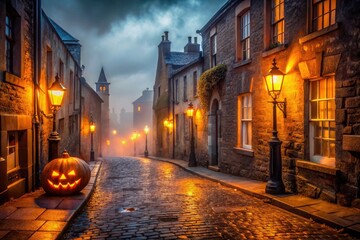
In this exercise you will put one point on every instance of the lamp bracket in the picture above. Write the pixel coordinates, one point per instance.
(48, 116)
(282, 106)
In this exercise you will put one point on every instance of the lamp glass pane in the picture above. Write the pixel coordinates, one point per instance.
(56, 97)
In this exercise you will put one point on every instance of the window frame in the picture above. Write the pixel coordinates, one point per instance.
(15, 147)
(244, 133)
(195, 83)
(327, 133)
(275, 23)
(185, 95)
(213, 49)
(245, 40)
(332, 19)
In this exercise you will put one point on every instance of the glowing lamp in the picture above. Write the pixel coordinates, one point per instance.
(190, 110)
(92, 127)
(56, 93)
(146, 129)
(274, 80)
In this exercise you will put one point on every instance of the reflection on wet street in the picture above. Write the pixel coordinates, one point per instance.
(139, 198)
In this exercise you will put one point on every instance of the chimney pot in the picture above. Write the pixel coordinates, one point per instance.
(189, 39)
(166, 35)
(195, 40)
(162, 37)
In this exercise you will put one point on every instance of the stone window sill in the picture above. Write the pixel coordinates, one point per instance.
(244, 151)
(316, 34)
(13, 79)
(317, 167)
(274, 50)
(241, 63)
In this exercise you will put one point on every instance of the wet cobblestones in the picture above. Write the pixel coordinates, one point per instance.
(147, 199)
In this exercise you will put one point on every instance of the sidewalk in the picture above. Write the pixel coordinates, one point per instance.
(39, 216)
(343, 218)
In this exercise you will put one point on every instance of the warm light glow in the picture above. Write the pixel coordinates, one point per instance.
(108, 142)
(274, 81)
(92, 127)
(139, 108)
(56, 92)
(168, 123)
(190, 110)
(114, 132)
(123, 142)
(146, 129)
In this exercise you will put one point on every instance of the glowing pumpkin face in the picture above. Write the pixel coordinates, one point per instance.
(65, 176)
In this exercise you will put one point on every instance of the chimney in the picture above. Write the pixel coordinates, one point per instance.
(192, 47)
(165, 45)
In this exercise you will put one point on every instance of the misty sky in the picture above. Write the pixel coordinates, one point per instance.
(123, 35)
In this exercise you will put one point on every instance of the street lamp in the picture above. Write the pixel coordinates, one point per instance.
(190, 114)
(134, 136)
(274, 81)
(92, 130)
(146, 130)
(56, 95)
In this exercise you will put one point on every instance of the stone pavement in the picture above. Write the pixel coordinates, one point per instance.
(336, 216)
(37, 215)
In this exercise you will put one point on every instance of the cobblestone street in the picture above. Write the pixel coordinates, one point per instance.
(148, 199)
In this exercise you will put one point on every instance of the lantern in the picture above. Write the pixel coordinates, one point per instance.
(65, 176)
(190, 110)
(56, 93)
(274, 81)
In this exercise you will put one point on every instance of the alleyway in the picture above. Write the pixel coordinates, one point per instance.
(148, 199)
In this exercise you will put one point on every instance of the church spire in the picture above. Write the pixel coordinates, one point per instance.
(102, 77)
(102, 85)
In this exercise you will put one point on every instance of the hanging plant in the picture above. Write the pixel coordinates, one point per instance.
(207, 81)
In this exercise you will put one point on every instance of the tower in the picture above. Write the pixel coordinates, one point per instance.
(102, 88)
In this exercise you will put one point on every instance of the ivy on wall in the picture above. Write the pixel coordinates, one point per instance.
(207, 81)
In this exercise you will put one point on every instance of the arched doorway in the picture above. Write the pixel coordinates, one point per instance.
(214, 132)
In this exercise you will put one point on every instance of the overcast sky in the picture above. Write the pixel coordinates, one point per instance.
(123, 35)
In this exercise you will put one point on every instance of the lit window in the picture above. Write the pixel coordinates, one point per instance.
(12, 151)
(213, 41)
(245, 35)
(138, 108)
(277, 21)
(322, 121)
(245, 121)
(177, 91)
(324, 13)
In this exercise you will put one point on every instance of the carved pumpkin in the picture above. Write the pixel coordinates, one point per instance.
(65, 176)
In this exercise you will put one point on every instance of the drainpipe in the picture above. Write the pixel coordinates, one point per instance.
(36, 122)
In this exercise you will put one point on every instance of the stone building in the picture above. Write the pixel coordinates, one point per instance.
(102, 89)
(168, 62)
(91, 104)
(314, 43)
(183, 87)
(142, 116)
(19, 116)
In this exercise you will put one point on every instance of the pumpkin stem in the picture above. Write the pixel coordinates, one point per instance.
(65, 154)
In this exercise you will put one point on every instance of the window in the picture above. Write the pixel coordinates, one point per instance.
(323, 14)
(277, 22)
(61, 71)
(245, 36)
(177, 128)
(158, 91)
(322, 121)
(195, 80)
(12, 151)
(71, 88)
(138, 108)
(213, 41)
(245, 121)
(177, 91)
(9, 43)
(185, 90)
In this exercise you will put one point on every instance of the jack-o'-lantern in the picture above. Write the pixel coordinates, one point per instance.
(65, 176)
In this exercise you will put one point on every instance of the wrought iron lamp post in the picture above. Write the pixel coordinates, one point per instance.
(190, 114)
(56, 95)
(146, 130)
(274, 81)
(92, 130)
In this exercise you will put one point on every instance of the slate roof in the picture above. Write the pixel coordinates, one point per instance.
(147, 97)
(102, 77)
(64, 35)
(181, 58)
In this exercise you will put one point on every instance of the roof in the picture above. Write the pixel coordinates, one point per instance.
(102, 77)
(147, 97)
(181, 58)
(85, 84)
(218, 14)
(190, 64)
(64, 35)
